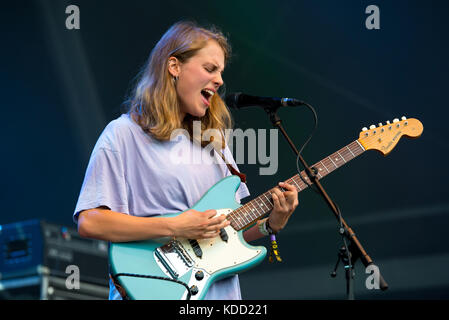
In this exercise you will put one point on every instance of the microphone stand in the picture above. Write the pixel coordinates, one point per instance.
(347, 254)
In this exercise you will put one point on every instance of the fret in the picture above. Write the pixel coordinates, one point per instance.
(317, 166)
(245, 215)
(231, 218)
(239, 216)
(350, 151)
(305, 177)
(294, 182)
(341, 156)
(236, 225)
(361, 147)
(263, 206)
(266, 198)
(297, 184)
(251, 212)
(329, 165)
(257, 213)
(325, 166)
(250, 206)
(333, 162)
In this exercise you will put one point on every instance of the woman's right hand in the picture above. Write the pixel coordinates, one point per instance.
(193, 224)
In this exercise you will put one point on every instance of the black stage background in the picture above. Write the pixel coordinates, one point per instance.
(60, 87)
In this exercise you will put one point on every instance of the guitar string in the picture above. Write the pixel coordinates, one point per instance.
(343, 153)
(347, 153)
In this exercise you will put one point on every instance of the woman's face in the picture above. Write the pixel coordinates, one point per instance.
(199, 79)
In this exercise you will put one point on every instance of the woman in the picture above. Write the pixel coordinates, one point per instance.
(130, 180)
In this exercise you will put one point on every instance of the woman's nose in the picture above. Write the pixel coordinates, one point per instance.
(218, 81)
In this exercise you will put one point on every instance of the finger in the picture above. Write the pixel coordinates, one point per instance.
(291, 194)
(210, 234)
(291, 197)
(218, 227)
(216, 220)
(281, 198)
(276, 202)
(210, 213)
(288, 186)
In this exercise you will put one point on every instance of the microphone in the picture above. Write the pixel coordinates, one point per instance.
(240, 100)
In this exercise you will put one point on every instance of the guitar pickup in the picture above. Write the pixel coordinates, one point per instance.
(196, 248)
(224, 235)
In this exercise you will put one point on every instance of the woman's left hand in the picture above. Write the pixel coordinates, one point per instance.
(284, 205)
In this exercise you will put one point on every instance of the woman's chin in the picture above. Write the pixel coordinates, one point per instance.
(199, 113)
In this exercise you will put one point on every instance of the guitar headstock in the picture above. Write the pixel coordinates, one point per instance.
(385, 137)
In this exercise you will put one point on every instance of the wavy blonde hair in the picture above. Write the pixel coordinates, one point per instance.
(154, 104)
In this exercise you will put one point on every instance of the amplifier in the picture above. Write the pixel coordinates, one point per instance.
(47, 253)
(45, 287)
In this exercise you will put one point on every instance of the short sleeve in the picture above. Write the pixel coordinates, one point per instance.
(104, 183)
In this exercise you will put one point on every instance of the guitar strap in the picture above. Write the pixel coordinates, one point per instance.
(217, 148)
(234, 171)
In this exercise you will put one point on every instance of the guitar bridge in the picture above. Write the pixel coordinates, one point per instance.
(173, 259)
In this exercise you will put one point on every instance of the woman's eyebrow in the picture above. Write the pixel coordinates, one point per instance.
(216, 66)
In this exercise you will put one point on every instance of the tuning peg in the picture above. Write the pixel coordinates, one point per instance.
(403, 118)
(380, 124)
(372, 126)
(388, 122)
(395, 120)
(364, 129)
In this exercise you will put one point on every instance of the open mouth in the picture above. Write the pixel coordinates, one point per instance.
(207, 95)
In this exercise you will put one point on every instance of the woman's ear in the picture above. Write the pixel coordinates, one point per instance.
(174, 66)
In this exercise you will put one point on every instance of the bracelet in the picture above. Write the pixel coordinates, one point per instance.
(268, 228)
(262, 227)
(274, 246)
(265, 229)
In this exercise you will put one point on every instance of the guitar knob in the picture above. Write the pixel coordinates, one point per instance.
(372, 126)
(199, 275)
(364, 129)
(403, 118)
(395, 120)
(194, 290)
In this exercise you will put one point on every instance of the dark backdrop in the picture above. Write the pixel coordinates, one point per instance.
(60, 87)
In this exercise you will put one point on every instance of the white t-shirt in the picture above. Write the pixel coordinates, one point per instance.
(131, 172)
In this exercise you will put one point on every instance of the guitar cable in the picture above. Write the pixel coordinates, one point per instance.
(115, 277)
(315, 117)
(313, 187)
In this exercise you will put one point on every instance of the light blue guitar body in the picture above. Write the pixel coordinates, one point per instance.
(176, 259)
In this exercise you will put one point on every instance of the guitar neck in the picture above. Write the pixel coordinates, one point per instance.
(263, 204)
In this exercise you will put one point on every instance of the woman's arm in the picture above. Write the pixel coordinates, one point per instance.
(104, 224)
(253, 233)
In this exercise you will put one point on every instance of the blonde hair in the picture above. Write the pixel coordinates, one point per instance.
(154, 104)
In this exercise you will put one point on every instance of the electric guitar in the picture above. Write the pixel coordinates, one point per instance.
(175, 269)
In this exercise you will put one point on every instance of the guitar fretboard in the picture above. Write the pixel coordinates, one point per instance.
(263, 204)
